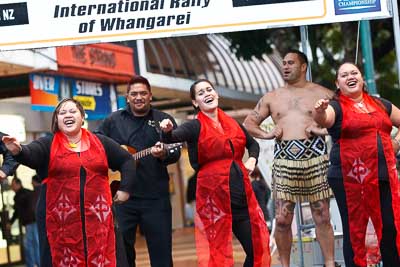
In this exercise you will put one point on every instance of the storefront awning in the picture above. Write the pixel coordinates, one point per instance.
(174, 63)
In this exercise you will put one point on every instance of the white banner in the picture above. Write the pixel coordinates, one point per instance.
(39, 23)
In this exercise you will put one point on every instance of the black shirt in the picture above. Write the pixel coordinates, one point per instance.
(334, 171)
(152, 179)
(23, 207)
(36, 155)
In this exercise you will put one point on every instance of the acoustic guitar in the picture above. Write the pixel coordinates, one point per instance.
(114, 177)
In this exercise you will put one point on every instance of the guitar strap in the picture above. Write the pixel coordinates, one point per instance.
(155, 121)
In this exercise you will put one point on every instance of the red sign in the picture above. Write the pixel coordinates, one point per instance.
(104, 62)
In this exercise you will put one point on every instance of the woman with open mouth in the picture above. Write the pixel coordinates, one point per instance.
(362, 172)
(74, 215)
(225, 201)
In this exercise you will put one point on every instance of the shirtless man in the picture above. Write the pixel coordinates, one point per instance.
(300, 156)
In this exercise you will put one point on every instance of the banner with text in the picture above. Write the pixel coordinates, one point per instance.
(47, 90)
(29, 24)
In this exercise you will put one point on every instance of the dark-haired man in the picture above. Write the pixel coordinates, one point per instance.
(149, 206)
(300, 155)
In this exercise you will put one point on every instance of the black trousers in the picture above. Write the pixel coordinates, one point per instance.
(389, 252)
(154, 217)
(241, 226)
(45, 254)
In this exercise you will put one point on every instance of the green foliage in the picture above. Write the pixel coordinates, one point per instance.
(330, 46)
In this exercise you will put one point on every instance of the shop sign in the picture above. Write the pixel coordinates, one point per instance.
(95, 97)
(109, 62)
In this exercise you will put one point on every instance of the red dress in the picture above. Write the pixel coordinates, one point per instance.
(66, 234)
(359, 161)
(213, 206)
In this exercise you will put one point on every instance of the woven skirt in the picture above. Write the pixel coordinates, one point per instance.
(300, 170)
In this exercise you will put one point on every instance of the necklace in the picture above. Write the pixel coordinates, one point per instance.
(360, 104)
(74, 144)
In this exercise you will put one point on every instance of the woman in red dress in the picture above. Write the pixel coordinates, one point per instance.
(225, 201)
(74, 214)
(362, 172)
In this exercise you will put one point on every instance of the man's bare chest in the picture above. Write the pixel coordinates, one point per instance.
(302, 104)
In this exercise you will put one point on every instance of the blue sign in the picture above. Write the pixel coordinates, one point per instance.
(95, 97)
(343, 7)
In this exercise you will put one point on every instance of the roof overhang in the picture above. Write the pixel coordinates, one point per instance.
(25, 61)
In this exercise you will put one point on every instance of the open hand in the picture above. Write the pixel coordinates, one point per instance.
(321, 105)
(12, 144)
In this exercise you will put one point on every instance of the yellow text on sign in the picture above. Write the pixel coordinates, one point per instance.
(88, 102)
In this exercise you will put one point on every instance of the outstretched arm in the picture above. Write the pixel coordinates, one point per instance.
(324, 114)
(12, 144)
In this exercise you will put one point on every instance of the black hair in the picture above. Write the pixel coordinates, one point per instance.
(193, 87)
(303, 58)
(138, 79)
(365, 89)
(54, 121)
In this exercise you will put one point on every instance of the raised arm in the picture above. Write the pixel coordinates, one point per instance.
(324, 114)
(186, 132)
(34, 155)
(256, 117)
(12, 144)
(171, 155)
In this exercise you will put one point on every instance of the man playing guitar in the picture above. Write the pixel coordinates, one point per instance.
(149, 205)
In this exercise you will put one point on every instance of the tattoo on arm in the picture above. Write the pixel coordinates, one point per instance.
(256, 111)
(256, 114)
(258, 106)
